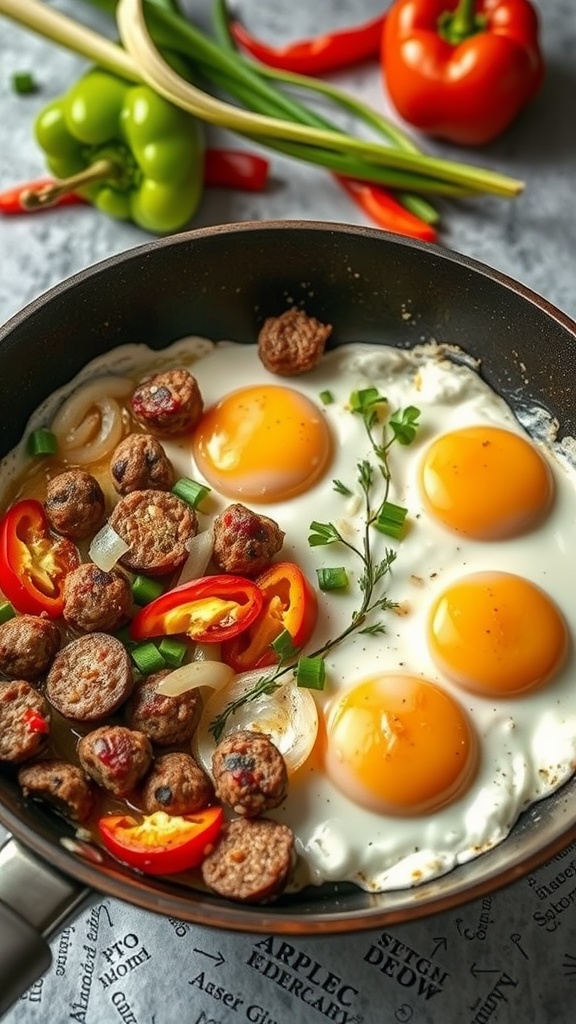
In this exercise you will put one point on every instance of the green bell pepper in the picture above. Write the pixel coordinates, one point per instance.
(144, 156)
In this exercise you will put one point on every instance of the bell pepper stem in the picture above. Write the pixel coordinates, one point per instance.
(455, 26)
(48, 195)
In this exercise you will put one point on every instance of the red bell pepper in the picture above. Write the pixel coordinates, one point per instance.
(210, 610)
(161, 844)
(331, 51)
(289, 604)
(459, 69)
(33, 562)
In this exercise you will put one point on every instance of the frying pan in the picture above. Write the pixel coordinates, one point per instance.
(222, 282)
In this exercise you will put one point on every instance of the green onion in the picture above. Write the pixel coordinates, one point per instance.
(6, 611)
(190, 491)
(173, 651)
(333, 578)
(42, 442)
(283, 645)
(23, 83)
(145, 590)
(147, 658)
(390, 519)
(326, 397)
(311, 673)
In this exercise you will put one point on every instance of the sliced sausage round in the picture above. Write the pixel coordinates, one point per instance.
(292, 343)
(138, 463)
(28, 645)
(158, 527)
(166, 720)
(24, 721)
(245, 541)
(75, 504)
(249, 773)
(176, 784)
(95, 600)
(251, 860)
(90, 678)
(62, 784)
(115, 757)
(168, 403)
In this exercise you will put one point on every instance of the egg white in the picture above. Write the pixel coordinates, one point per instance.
(528, 744)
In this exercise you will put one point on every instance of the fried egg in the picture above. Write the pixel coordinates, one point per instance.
(441, 726)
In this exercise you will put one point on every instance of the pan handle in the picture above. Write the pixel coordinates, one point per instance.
(35, 901)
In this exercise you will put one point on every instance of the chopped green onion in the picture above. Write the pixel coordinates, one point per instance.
(190, 491)
(359, 401)
(333, 578)
(23, 83)
(42, 442)
(173, 651)
(6, 611)
(145, 590)
(311, 673)
(390, 519)
(326, 397)
(147, 658)
(283, 645)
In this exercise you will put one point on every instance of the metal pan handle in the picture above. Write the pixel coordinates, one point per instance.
(35, 901)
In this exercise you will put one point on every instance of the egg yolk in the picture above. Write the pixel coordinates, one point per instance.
(485, 482)
(262, 443)
(497, 634)
(400, 745)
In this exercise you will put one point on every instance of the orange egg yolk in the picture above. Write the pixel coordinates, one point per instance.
(262, 443)
(400, 745)
(485, 482)
(497, 634)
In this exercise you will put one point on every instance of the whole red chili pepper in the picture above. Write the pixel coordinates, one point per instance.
(11, 199)
(386, 211)
(328, 52)
(461, 70)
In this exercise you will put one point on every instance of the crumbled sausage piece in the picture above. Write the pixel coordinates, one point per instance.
(158, 526)
(28, 645)
(176, 784)
(168, 403)
(75, 504)
(61, 784)
(138, 463)
(95, 600)
(249, 773)
(115, 757)
(292, 343)
(244, 541)
(251, 860)
(24, 721)
(166, 720)
(90, 678)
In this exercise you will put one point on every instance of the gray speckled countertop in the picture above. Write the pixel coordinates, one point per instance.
(510, 959)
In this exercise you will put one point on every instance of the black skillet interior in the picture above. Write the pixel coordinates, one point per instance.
(372, 287)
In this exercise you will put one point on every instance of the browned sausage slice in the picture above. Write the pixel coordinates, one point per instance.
(61, 784)
(90, 678)
(176, 784)
(115, 757)
(249, 773)
(251, 860)
(24, 721)
(28, 645)
(158, 527)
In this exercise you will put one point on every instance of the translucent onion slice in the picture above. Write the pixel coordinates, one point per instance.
(88, 425)
(198, 673)
(200, 552)
(289, 717)
(107, 547)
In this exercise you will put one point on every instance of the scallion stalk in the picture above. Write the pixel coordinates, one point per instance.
(190, 491)
(145, 590)
(311, 673)
(147, 658)
(332, 577)
(42, 442)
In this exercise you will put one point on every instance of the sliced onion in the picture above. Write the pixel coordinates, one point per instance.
(197, 673)
(289, 717)
(200, 552)
(107, 547)
(88, 425)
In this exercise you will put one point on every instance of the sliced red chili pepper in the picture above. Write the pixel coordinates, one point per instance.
(11, 198)
(330, 51)
(289, 604)
(161, 844)
(33, 562)
(211, 609)
(386, 211)
(235, 168)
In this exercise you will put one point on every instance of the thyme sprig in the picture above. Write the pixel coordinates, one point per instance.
(401, 428)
